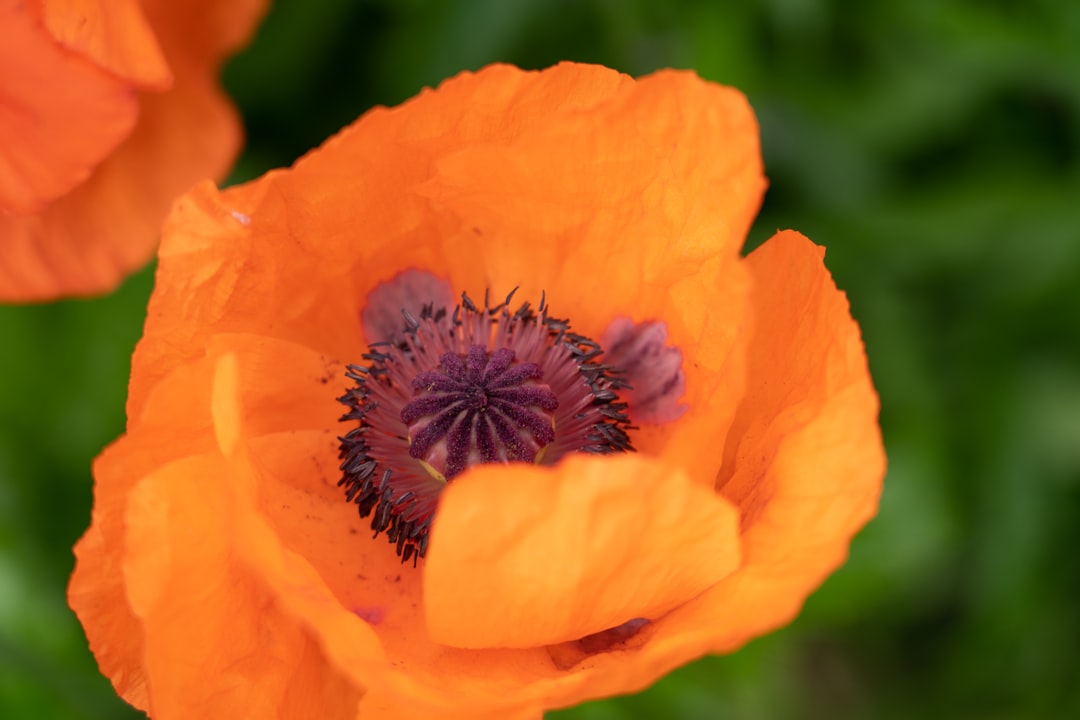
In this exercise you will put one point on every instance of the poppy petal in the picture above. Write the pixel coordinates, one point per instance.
(804, 461)
(231, 666)
(268, 535)
(176, 520)
(114, 34)
(629, 166)
(182, 135)
(200, 31)
(59, 116)
(98, 595)
(808, 377)
(89, 239)
(98, 591)
(554, 554)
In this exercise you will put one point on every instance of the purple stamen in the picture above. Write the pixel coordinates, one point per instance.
(433, 400)
(470, 394)
(652, 368)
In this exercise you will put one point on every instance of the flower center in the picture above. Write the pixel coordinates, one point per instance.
(478, 385)
(479, 408)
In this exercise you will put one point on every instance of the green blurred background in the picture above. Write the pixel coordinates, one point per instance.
(931, 145)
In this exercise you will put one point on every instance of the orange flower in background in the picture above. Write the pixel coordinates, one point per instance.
(231, 569)
(108, 112)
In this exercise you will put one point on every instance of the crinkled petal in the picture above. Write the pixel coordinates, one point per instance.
(804, 461)
(808, 380)
(224, 259)
(98, 596)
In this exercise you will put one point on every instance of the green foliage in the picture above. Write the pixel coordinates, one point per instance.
(932, 145)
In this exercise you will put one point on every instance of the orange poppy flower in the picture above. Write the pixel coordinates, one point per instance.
(226, 574)
(110, 111)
